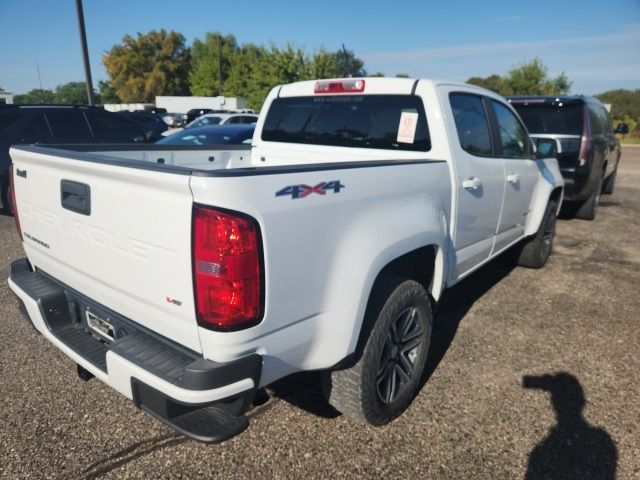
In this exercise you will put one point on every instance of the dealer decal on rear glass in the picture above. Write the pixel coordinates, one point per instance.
(407, 127)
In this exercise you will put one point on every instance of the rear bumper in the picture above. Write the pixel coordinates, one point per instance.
(161, 377)
(577, 184)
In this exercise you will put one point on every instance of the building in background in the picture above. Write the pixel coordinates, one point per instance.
(6, 98)
(184, 104)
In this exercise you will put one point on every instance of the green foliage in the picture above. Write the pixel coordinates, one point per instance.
(348, 65)
(156, 63)
(402, 75)
(203, 78)
(37, 95)
(107, 92)
(624, 103)
(528, 78)
(71, 93)
(376, 74)
(492, 82)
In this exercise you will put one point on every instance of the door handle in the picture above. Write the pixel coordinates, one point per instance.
(471, 183)
(513, 178)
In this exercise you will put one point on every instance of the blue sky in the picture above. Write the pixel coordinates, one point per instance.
(596, 43)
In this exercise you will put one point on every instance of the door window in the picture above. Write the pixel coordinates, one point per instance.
(69, 126)
(471, 123)
(514, 141)
(36, 130)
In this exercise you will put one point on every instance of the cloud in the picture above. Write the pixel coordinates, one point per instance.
(594, 63)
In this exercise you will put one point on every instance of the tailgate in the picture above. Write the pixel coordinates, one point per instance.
(126, 244)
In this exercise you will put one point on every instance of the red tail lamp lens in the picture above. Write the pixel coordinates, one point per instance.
(227, 269)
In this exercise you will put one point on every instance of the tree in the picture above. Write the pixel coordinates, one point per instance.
(624, 103)
(348, 65)
(322, 65)
(492, 82)
(156, 63)
(71, 93)
(528, 78)
(37, 95)
(248, 76)
(204, 76)
(376, 74)
(402, 75)
(107, 92)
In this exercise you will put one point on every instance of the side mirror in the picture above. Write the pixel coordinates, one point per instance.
(622, 128)
(546, 148)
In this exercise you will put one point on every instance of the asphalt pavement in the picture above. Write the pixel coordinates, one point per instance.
(532, 374)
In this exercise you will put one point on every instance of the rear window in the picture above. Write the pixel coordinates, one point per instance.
(565, 120)
(393, 122)
(8, 117)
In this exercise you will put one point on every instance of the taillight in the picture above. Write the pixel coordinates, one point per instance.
(585, 143)
(14, 204)
(339, 86)
(227, 269)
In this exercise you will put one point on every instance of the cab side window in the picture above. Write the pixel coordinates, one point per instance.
(514, 140)
(597, 125)
(69, 126)
(471, 123)
(36, 130)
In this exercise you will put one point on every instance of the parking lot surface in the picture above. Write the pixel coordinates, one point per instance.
(532, 373)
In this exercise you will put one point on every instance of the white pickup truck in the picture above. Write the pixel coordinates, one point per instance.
(188, 278)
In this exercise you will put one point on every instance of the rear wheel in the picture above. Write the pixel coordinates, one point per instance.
(384, 381)
(587, 211)
(536, 252)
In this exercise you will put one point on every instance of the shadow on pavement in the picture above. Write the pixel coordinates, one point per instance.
(129, 454)
(573, 449)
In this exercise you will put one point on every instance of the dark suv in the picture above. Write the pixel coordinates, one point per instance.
(588, 150)
(26, 124)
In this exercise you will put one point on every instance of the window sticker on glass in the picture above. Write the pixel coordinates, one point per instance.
(407, 127)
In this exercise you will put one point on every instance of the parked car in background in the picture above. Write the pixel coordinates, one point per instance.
(173, 120)
(218, 119)
(27, 124)
(223, 119)
(211, 135)
(153, 125)
(194, 113)
(588, 150)
(155, 110)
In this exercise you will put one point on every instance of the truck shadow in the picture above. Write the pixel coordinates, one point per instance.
(573, 449)
(136, 450)
(305, 390)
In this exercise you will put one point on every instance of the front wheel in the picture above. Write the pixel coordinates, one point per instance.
(386, 378)
(536, 252)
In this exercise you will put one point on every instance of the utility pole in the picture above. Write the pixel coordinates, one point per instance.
(345, 65)
(85, 53)
(219, 67)
(39, 79)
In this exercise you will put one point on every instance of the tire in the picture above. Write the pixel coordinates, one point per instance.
(536, 251)
(587, 211)
(4, 198)
(386, 378)
(610, 183)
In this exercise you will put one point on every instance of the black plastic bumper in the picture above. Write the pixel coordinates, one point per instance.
(63, 310)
